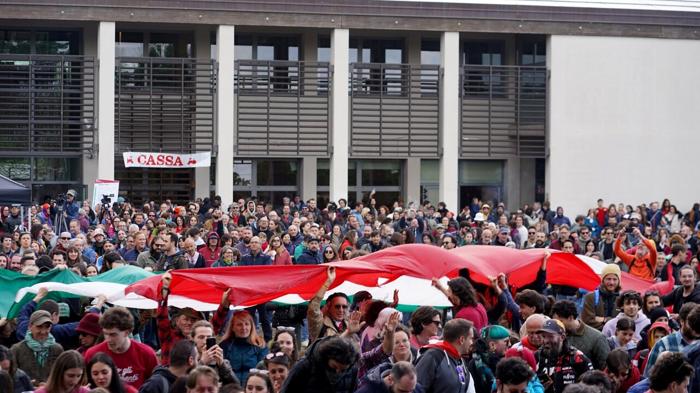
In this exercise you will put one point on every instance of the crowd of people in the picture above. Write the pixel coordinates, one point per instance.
(538, 338)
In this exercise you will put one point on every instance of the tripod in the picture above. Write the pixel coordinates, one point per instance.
(59, 221)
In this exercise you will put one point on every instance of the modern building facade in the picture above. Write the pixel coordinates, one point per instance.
(435, 100)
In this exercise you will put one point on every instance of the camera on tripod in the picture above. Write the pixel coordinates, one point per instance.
(106, 201)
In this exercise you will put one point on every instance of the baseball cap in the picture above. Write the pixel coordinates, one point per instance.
(98, 232)
(40, 317)
(494, 332)
(504, 230)
(310, 239)
(553, 326)
(72, 193)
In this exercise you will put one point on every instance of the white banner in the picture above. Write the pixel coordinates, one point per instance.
(105, 189)
(166, 160)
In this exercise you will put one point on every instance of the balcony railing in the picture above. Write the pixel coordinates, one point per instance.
(282, 108)
(164, 104)
(394, 110)
(48, 104)
(504, 111)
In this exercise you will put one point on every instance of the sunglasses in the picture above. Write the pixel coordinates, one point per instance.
(436, 323)
(291, 329)
(271, 355)
(341, 306)
(329, 252)
(65, 238)
(531, 233)
(258, 371)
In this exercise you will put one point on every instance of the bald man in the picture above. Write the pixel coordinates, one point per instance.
(194, 258)
(531, 339)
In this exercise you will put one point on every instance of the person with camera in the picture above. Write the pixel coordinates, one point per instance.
(643, 263)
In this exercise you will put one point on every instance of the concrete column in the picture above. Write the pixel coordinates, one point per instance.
(340, 45)
(309, 55)
(309, 166)
(225, 114)
(105, 100)
(511, 180)
(202, 52)
(528, 174)
(90, 162)
(412, 180)
(449, 124)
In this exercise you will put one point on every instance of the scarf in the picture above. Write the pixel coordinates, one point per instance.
(447, 347)
(40, 349)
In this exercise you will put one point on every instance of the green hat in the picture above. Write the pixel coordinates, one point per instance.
(494, 332)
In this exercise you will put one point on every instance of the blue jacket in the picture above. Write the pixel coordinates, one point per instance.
(692, 352)
(309, 257)
(242, 356)
(255, 260)
(72, 210)
(64, 333)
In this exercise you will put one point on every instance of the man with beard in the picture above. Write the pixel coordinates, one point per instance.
(172, 258)
(531, 338)
(643, 263)
(559, 364)
(150, 257)
(689, 318)
(584, 338)
(532, 239)
(441, 367)
(599, 305)
(687, 292)
(243, 246)
(490, 348)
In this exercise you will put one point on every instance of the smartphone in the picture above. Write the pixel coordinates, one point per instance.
(211, 341)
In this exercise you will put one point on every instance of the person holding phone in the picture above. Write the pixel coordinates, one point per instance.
(210, 353)
(643, 263)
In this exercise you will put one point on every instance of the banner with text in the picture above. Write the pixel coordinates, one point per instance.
(166, 160)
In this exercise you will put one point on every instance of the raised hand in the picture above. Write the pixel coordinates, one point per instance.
(354, 322)
(225, 298)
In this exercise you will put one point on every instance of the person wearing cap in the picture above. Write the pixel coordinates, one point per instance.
(333, 319)
(71, 207)
(211, 251)
(36, 354)
(503, 237)
(490, 348)
(599, 306)
(643, 263)
(63, 333)
(89, 331)
(311, 254)
(582, 337)
(559, 364)
(179, 328)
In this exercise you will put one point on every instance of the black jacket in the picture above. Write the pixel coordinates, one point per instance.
(309, 375)
(373, 381)
(160, 382)
(677, 300)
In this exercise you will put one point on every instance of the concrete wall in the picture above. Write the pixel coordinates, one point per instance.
(624, 121)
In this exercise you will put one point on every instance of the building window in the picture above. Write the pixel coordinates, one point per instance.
(46, 176)
(483, 53)
(481, 179)
(55, 42)
(267, 180)
(532, 51)
(383, 177)
(430, 181)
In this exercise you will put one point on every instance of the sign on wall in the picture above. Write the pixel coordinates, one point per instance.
(166, 160)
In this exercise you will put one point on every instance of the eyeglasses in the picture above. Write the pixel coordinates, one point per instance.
(271, 355)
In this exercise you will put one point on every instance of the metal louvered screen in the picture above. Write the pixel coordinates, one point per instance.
(282, 108)
(395, 110)
(503, 111)
(48, 104)
(164, 105)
